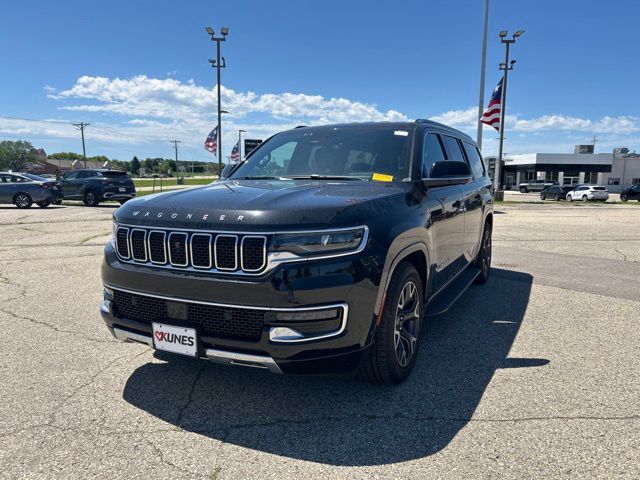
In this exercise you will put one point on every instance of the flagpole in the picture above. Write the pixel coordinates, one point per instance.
(483, 67)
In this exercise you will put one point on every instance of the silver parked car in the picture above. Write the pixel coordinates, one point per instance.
(588, 192)
(24, 189)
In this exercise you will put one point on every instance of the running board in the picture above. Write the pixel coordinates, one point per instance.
(452, 292)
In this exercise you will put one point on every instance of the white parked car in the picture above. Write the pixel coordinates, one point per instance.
(588, 192)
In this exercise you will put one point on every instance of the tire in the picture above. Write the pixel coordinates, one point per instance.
(483, 260)
(585, 198)
(91, 199)
(524, 190)
(122, 202)
(557, 198)
(58, 202)
(543, 196)
(22, 200)
(43, 204)
(623, 198)
(393, 354)
(569, 198)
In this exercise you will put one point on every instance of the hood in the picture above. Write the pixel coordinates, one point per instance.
(262, 204)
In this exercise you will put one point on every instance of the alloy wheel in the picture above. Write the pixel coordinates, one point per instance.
(407, 322)
(22, 200)
(485, 254)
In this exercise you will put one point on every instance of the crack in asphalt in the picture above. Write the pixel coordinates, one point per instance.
(53, 327)
(192, 388)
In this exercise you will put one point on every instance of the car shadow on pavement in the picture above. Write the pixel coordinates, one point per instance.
(344, 420)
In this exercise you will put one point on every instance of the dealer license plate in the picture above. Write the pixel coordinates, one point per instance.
(122, 189)
(175, 339)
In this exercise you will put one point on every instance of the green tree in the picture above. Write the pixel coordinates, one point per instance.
(14, 155)
(166, 167)
(135, 166)
(66, 156)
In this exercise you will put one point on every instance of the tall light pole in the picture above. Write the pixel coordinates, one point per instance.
(218, 65)
(483, 68)
(175, 148)
(505, 67)
(81, 126)
(240, 132)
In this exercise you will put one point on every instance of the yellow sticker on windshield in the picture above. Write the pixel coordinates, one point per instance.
(381, 177)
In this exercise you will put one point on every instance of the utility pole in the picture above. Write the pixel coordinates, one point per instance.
(175, 147)
(81, 126)
(218, 65)
(240, 132)
(505, 67)
(594, 143)
(483, 67)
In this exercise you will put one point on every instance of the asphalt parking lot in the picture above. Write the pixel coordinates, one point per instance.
(536, 374)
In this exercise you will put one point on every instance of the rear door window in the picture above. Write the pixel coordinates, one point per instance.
(431, 153)
(452, 147)
(475, 160)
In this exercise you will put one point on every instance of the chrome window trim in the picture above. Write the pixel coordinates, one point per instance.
(274, 259)
(128, 257)
(264, 253)
(343, 305)
(144, 243)
(208, 267)
(186, 249)
(235, 253)
(164, 246)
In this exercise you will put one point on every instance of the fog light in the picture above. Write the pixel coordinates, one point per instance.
(107, 294)
(310, 315)
(282, 334)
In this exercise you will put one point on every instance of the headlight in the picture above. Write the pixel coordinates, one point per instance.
(319, 243)
(113, 234)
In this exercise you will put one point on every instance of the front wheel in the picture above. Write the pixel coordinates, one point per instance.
(569, 198)
(122, 202)
(23, 200)
(43, 204)
(585, 198)
(523, 190)
(395, 347)
(543, 196)
(623, 198)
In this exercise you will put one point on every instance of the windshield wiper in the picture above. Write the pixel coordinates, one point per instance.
(258, 177)
(324, 177)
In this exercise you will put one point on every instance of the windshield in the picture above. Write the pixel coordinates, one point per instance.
(350, 153)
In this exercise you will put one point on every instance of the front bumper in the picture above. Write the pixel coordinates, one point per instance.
(350, 281)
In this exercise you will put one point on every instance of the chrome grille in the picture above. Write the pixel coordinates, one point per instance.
(213, 252)
(138, 244)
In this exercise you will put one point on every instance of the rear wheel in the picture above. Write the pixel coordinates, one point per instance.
(22, 200)
(43, 204)
(543, 196)
(585, 198)
(557, 198)
(569, 198)
(623, 198)
(394, 350)
(483, 260)
(91, 199)
(523, 190)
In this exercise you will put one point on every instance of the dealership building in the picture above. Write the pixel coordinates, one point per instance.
(615, 170)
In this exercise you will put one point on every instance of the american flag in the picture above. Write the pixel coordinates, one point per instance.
(491, 115)
(235, 153)
(211, 143)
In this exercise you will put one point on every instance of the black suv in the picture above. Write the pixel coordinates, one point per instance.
(321, 252)
(631, 193)
(93, 186)
(556, 192)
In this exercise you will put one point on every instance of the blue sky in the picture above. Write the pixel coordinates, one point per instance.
(138, 71)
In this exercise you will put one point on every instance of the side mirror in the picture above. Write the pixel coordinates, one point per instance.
(449, 173)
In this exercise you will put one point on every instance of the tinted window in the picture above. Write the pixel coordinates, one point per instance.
(599, 188)
(5, 178)
(71, 176)
(349, 151)
(453, 149)
(475, 160)
(114, 174)
(17, 179)
(431, 153)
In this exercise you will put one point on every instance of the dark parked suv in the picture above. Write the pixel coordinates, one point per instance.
(631, 193)
(93, 186)
(555, 192)
(322, 252)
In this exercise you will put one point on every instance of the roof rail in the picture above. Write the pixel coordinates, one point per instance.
(302, 126)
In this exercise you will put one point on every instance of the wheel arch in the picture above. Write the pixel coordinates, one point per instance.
(418, 255)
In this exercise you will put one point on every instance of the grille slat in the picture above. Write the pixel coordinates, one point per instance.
(216, 252)
(226, 252)
(138, 245)
(210, 320)
(157, 247)
(201, 250)
(178, 249)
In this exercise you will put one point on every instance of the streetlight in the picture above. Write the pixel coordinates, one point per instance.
(218, 63)
(483, 67)
(505, 67)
